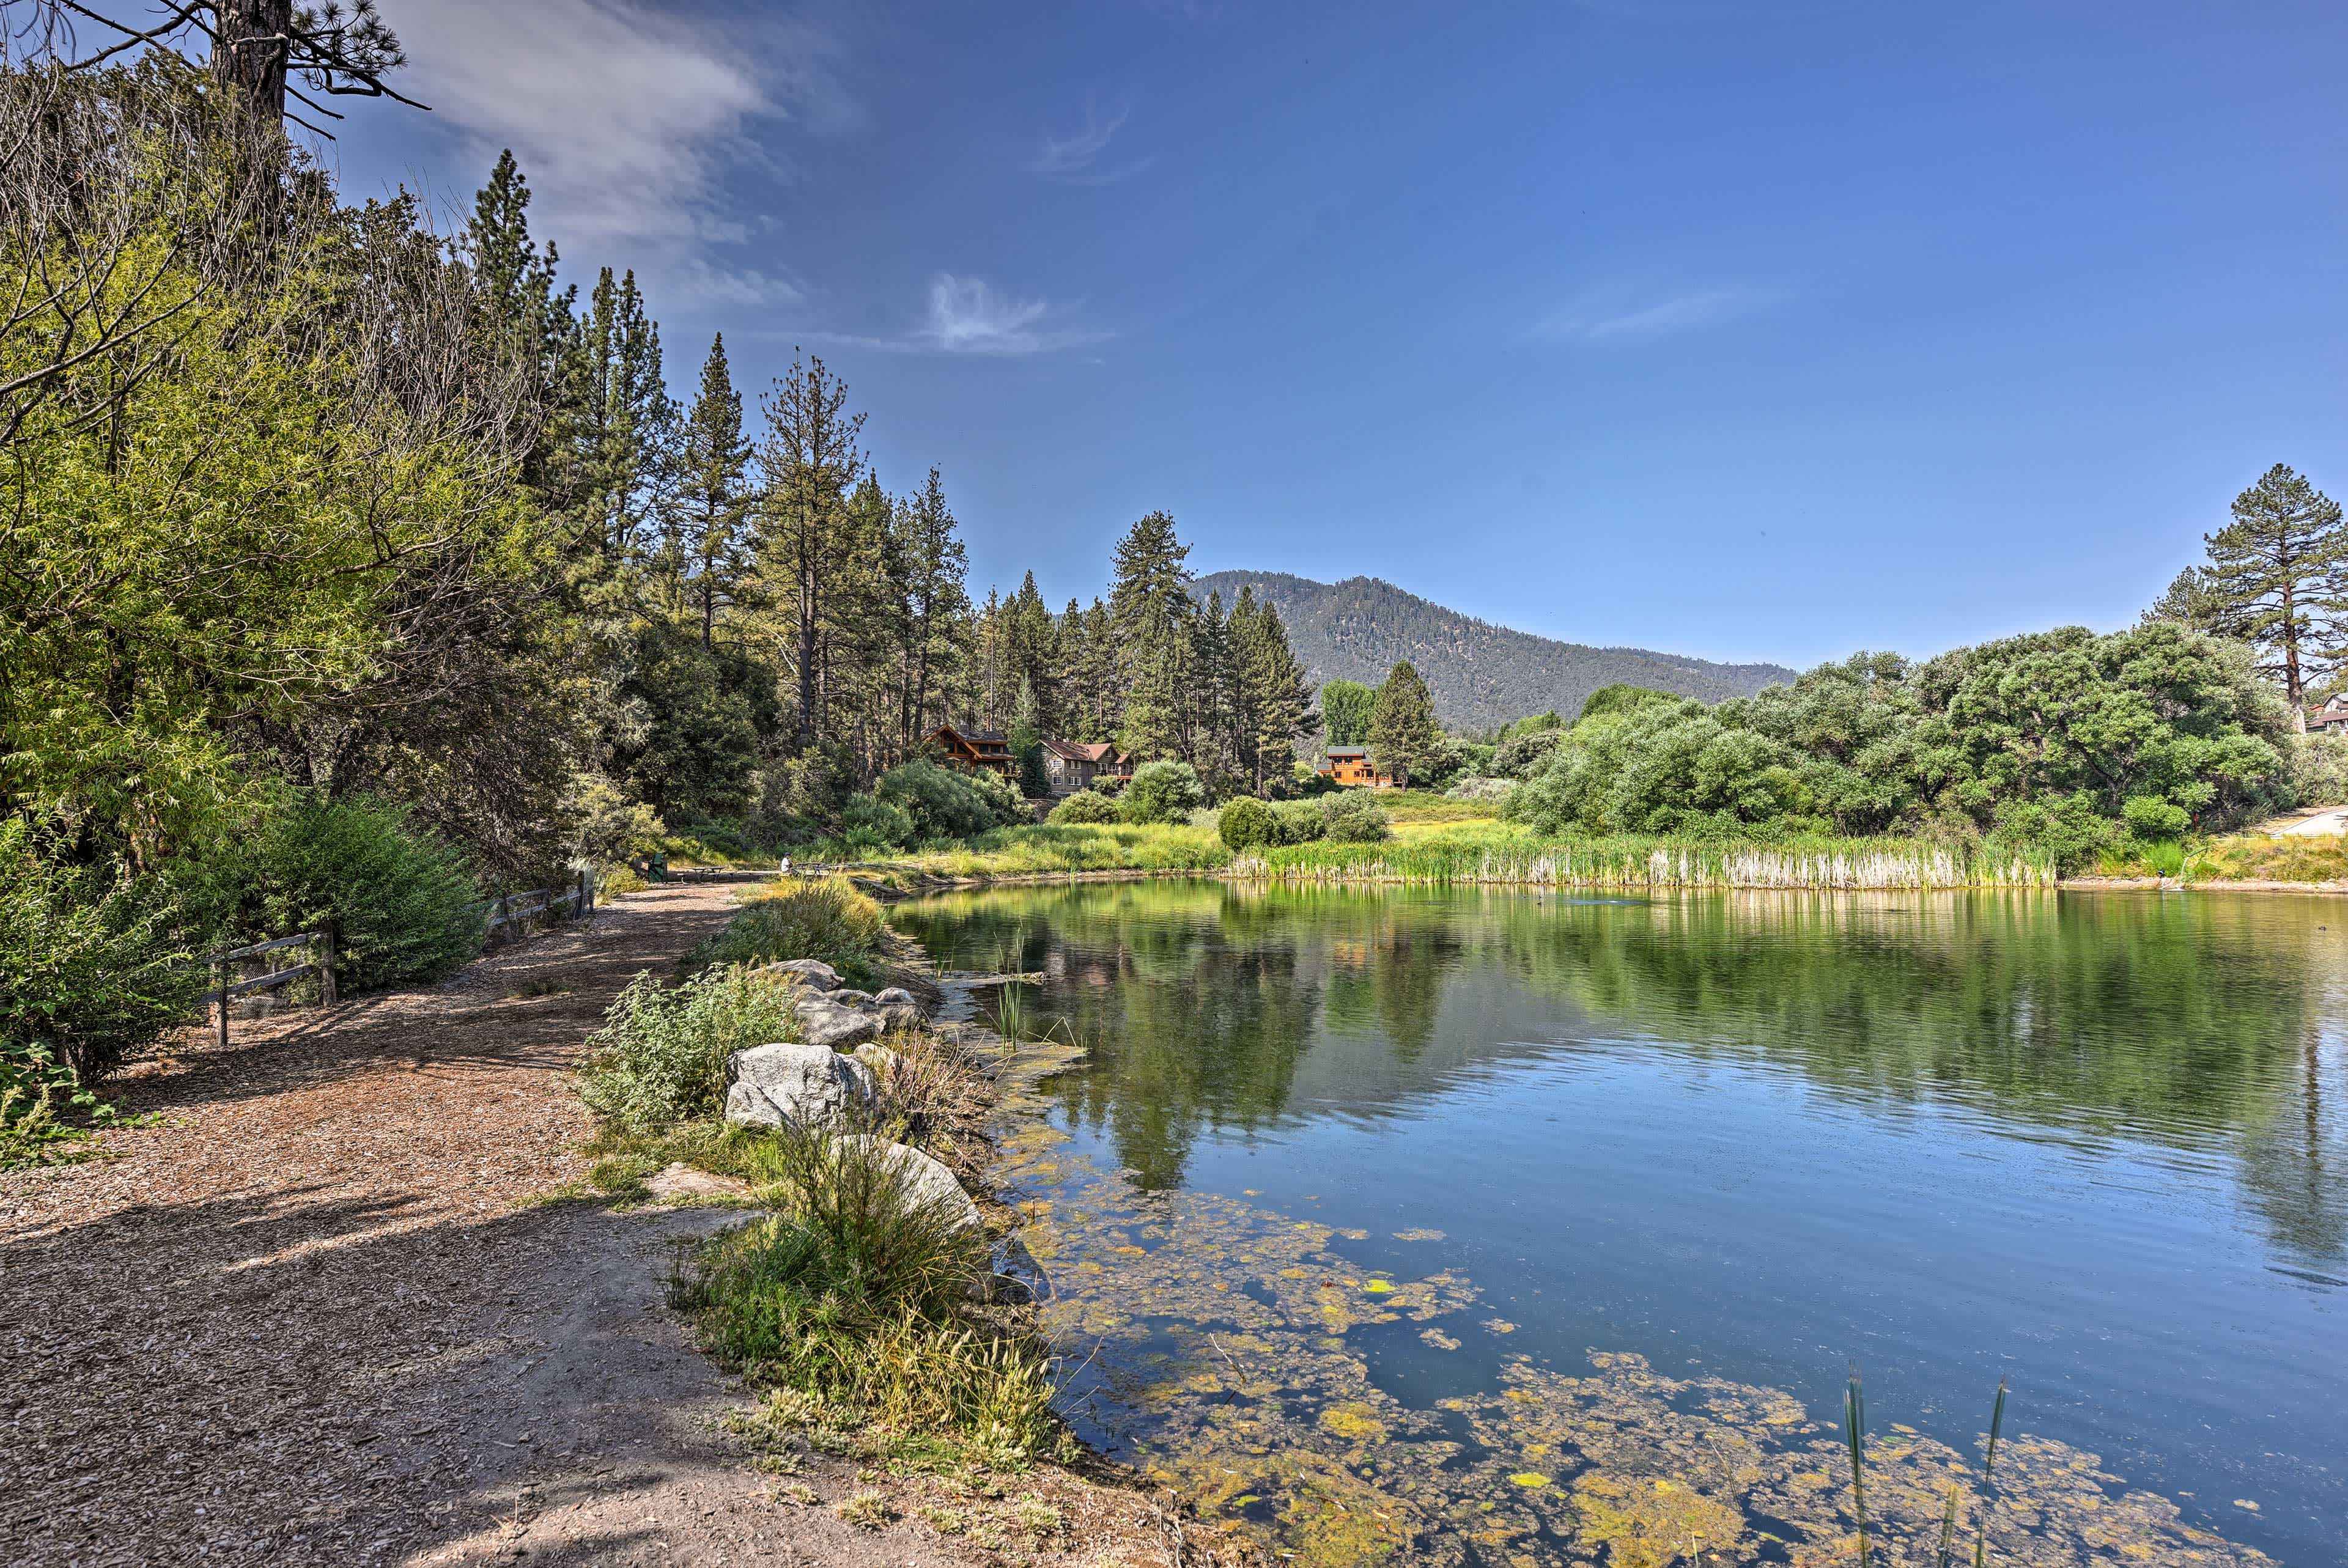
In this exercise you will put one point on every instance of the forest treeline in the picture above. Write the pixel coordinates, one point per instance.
(348, 560)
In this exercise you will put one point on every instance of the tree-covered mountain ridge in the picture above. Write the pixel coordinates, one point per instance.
(1482, 675)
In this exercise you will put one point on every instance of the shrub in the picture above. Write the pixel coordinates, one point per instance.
(1248, 823)
(1084, 808)
(828, 921)
(1162, 791)
(2318, 770)
(1355, 818)
(89, 973)
(2151, 817)
(395, 896)
(1301, 821)
(946, 803)
(661, 1054)
(868, 821)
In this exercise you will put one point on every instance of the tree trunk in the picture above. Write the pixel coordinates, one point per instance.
(249, 54)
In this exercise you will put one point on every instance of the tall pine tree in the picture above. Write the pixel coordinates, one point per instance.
(1402, 732)
(809, 460)
(2278, 572)
(709, 513)
(1150, 604)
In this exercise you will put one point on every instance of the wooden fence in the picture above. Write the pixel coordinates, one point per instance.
(512, 908)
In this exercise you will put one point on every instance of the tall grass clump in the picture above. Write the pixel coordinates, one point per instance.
(660, 1057)
(1470, 856)
(827, 920)
(855, 1299)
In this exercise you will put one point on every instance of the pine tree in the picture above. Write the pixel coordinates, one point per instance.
(1402, 732)
(627, 449)
(2278, 572)
(1027, 742)
(1275, 696)
(710, 510)
(1150, 604)
(1213, 721)
(514, 288)
(937, 604)
(1032, 647)
(809, 459)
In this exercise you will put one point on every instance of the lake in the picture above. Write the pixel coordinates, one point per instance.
(1492, 1227)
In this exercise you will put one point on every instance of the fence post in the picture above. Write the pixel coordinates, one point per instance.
(327, 966)
(220, 973)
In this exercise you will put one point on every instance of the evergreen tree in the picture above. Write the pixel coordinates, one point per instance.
(1275, 698)
(626, 446)
(710, 511)
(987, 693)
(1348, 706)
(1027, 742)
(937, 604)
(1402, 732)
(1032, 650)
(1150, 604)
(1212, 720)
(2279, 573)
(809, 459)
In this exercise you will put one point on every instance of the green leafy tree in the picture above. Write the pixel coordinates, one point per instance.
(1346, 706)
(1403, 732)
(2279, 574)
(1160, 792)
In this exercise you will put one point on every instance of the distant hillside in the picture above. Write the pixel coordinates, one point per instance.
(1482, 675)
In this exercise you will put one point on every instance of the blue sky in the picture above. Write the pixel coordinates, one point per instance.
(1740, 329)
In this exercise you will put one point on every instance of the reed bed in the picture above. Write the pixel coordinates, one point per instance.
(1854, 865)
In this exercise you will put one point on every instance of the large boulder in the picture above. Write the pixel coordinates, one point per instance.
(802, 1088)
(923, 1180)
(812, 973)
(833, 1024)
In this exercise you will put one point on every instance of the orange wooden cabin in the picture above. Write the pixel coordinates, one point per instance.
(1351, 765)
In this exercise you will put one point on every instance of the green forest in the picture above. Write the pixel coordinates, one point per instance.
(354, 568)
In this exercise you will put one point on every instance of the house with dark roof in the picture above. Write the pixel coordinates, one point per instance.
(1072, 765)
(2329, 718)
(988, 749)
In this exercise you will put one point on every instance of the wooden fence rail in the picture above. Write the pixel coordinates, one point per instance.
(504, 911)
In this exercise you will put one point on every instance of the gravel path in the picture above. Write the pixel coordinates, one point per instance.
(313, 1316)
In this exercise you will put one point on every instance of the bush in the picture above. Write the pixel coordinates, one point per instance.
(90, 972)
(869, 822)
(1248, 823)
(1301, 821)
(1084, 808)
(1162, 791)
(395, 896)
(946, 803)
(1355, 818)
(828, 921)
(2151, 817)
(661, 1054)
(2318, 770)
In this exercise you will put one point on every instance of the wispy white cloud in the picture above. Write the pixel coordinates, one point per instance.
(1680, 312)
(627, 122)
(1077, 159)
(966, 315)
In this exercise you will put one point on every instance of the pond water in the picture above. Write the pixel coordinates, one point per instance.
(1490, 1227)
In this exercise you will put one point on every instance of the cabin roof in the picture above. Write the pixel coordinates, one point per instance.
(1349, 751)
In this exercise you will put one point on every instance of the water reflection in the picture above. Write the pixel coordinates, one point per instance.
(2206, 1025)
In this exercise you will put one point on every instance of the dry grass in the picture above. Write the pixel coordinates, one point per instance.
(2255, 857)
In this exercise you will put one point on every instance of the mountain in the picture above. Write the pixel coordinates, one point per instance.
(1482, 675)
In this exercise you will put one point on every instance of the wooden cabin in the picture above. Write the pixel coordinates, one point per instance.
(988, 749)
(2329, 718)
(1071, 765)
(1350, 765)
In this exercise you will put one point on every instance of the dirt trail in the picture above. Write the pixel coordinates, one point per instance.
(309, 1317)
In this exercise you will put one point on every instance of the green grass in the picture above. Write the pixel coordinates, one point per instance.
(854, 1302)
(1048, 848)
(1503, 855)
(2255, 857)
(1418, 805)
